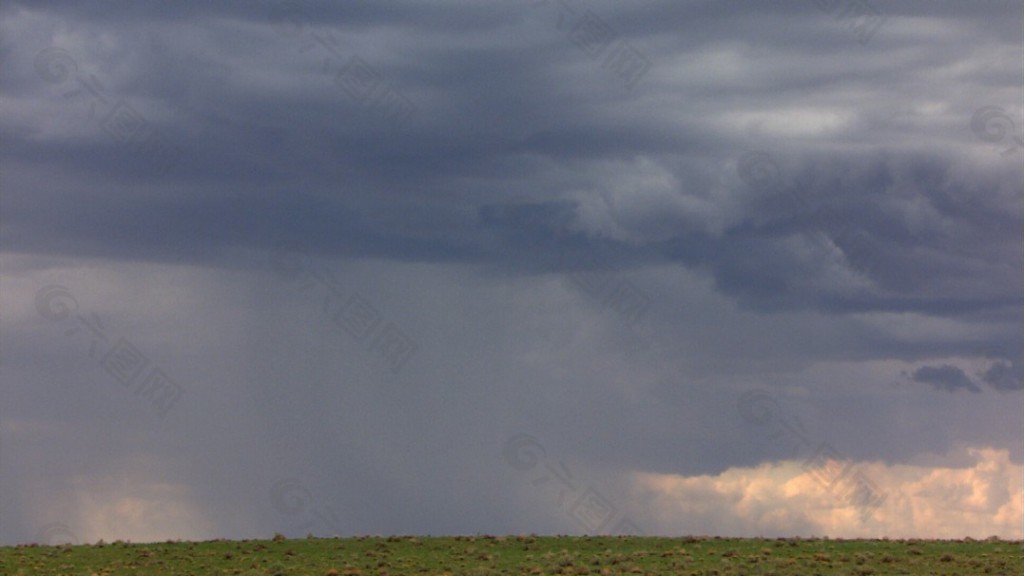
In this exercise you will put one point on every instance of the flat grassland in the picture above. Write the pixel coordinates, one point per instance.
(526, 555)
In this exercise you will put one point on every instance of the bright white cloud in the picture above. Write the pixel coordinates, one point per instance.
(980, 499)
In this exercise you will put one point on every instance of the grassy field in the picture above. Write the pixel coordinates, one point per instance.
(533, 555)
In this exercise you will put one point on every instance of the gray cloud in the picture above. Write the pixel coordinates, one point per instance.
(1005, 377)
(946, 378)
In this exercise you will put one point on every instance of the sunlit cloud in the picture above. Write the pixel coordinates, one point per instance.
(980, 499)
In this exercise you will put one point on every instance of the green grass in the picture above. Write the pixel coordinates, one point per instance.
(527, 555)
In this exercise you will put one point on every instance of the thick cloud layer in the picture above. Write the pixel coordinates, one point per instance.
(552, 267)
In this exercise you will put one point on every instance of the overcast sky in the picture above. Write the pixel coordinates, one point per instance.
(666, 267)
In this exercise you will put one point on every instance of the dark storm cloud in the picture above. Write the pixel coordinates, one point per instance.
(946, 378)
(1005, 376)
(603, 257)
(296, 134)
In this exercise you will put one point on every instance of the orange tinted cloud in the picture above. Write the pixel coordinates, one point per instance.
(979, 495)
